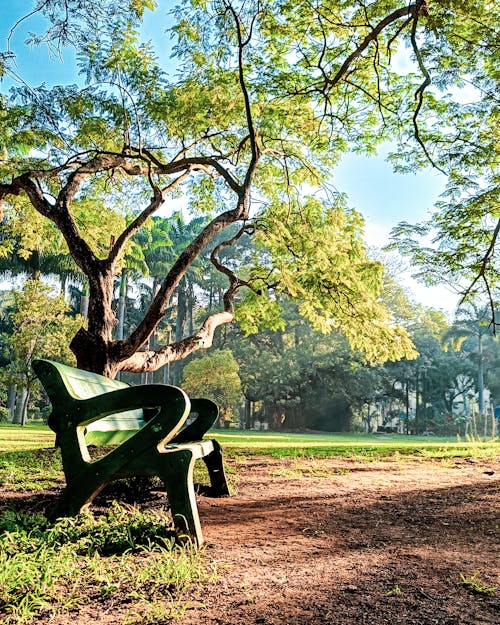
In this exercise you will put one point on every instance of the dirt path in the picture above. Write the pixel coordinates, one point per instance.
(338, 542)
(354, 543)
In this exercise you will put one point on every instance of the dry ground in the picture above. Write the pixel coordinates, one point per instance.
(365, 543)
(340, 542)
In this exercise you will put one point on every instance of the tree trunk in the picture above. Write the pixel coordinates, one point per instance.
(91, 345)
(21, 406)
(417, 403)
(480, 378)
(407, 407)
(84, 302)
(122, 302)
(24, 409)
(248, 413)
(179, 327)
(190, 309)
(11, 400)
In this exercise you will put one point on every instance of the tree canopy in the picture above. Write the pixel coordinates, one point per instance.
(265, 98)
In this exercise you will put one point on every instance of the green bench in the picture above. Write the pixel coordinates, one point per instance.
(144, 424)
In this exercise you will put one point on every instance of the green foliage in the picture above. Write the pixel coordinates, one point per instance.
(118, 531)
(316, 256)
(42, 326)
(25, 232)
(317, 381)
(28, 470)
(126, 554)
(214, 376)
(267, 96)
(288, 373)
(476, 585)
(255, 313)
(395, 592)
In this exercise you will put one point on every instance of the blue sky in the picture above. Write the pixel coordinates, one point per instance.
(382, 196)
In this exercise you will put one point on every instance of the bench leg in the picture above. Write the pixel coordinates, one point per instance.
(75, 496)
(215, 466)
(176, 472)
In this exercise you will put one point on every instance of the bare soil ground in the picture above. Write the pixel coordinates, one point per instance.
(364, 543)
(338, 542)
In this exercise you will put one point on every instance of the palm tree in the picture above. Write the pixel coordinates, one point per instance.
(45, 260)
(161, 245)
(135, 267)
(472, 326)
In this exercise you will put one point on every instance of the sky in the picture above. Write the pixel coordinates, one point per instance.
(382, 196)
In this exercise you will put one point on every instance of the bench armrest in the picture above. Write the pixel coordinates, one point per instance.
(208, 411)
(172, 407)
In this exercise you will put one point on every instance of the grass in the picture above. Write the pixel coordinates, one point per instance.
(357, 446)
(126, 558)
(476, 585)
(31, 469)
(28, 460)
(17, 438)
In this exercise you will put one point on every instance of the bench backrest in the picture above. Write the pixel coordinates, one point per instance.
(63, 382)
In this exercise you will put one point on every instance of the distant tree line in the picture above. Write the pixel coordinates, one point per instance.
(293, 377)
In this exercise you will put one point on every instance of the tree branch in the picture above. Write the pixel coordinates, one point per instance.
(419, 94)
(372, 36)
(156, 311)
(151, 360)
(482, 274)
(248, 110)
(155, 203)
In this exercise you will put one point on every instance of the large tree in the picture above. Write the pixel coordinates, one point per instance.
(267, 95)
(458, 244)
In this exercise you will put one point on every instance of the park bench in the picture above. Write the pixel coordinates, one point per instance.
(146, 427)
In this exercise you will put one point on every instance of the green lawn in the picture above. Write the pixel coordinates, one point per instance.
(15, 438)
(126, 555)
(348, 444)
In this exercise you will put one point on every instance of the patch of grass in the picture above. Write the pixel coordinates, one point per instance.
(394, 592)
(124, 556)
(476, 585)
(17, 438)
(281, 444)
(363, 447)
(313, 468)
(36, 469)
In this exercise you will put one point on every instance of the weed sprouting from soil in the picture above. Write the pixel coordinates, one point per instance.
(476, 585)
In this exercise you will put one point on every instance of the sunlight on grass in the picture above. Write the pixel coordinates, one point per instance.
(361, 446)
(17, 438)
(126, 556)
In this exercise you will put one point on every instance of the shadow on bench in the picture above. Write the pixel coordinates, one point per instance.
(144, 424)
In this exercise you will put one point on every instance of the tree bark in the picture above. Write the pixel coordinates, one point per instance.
(121, 305)
(11, 400)
(21, 405)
